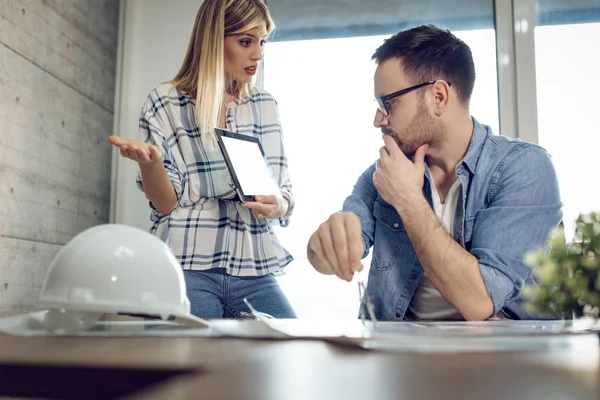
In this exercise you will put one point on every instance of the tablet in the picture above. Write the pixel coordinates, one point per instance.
(246, 162)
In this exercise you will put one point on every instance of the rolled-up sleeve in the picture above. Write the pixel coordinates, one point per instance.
(273, 145)
(151, 132)
(523, 207)
(360, 202)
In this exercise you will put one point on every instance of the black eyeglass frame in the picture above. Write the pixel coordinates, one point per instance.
(382, 102)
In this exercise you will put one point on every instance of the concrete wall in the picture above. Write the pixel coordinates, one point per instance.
(57, 87)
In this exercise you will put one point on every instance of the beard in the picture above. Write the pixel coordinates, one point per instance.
(421, 130)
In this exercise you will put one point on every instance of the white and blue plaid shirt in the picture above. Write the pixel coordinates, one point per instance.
(209, 228)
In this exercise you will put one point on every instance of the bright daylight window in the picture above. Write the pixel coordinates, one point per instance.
(567, 88)
(325, 93)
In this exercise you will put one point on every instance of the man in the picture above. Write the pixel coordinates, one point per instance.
(449, 208)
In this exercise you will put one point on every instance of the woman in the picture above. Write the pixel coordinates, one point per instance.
(227, 248)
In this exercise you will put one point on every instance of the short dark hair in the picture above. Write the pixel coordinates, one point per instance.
(428, 52)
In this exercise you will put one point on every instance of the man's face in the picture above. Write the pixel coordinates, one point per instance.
(409, 121)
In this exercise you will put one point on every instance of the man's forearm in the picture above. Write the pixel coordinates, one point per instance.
(158, 187)
(452, 269)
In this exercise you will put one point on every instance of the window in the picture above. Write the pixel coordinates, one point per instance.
(567, 86)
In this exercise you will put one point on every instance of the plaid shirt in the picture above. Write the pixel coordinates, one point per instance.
(209, 228)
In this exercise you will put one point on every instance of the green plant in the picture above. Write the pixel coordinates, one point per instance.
(568, 274)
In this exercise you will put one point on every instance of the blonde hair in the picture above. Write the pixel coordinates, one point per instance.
(202, 74)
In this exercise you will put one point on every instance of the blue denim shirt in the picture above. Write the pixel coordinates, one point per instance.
(509, 203)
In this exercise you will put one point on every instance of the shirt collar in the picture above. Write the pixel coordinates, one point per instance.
(480, 133)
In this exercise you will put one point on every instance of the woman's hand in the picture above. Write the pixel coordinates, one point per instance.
(267, 207)
(140, 152)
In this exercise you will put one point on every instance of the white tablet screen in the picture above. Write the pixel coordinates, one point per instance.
(250, 167)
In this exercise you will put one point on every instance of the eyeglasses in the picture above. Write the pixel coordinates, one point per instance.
(383, 102)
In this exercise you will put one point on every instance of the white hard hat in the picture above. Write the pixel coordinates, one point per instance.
(114, 269)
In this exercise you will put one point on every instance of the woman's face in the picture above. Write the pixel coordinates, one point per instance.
(243, 53)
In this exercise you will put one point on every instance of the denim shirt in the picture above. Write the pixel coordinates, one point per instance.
(509, 203)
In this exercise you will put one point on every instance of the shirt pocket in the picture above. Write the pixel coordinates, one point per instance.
(390, 236)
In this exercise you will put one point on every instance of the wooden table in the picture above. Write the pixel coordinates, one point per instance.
(200, 368)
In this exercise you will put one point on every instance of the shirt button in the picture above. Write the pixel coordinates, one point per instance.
(396, 225)
(398, 315)
(413, 276)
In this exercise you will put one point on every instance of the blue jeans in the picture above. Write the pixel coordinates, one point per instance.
(215, 294)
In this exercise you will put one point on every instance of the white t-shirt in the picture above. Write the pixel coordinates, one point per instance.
(427, 302)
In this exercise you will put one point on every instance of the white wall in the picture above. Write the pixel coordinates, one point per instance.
(154, 37)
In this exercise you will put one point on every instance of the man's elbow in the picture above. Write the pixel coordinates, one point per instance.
(480, 311)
